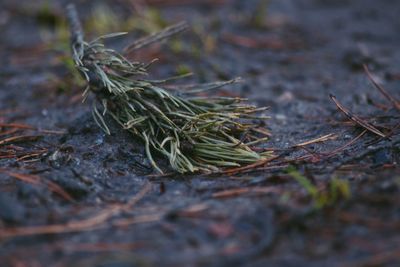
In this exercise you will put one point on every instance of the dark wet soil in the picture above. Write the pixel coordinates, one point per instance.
(292, 55)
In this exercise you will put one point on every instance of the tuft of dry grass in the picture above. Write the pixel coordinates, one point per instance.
(194, 133)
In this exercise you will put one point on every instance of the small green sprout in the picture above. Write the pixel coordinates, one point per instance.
(337, 189)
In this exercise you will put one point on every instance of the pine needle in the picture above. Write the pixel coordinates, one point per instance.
(193, 133)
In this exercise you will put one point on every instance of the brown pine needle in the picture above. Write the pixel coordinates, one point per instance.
(97, 221)
(37, 180)
(324, 138)
(251, 166)
(29, 127)
(19, 139)
(247, 190)
(356, 119)
(394, 101)
(343, 147)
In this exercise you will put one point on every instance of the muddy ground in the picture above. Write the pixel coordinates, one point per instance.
(292, 55)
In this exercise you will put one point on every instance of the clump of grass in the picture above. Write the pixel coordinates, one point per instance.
(194, 133)
(336, 190)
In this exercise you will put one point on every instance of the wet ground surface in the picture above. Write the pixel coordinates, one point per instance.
(72, 196)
